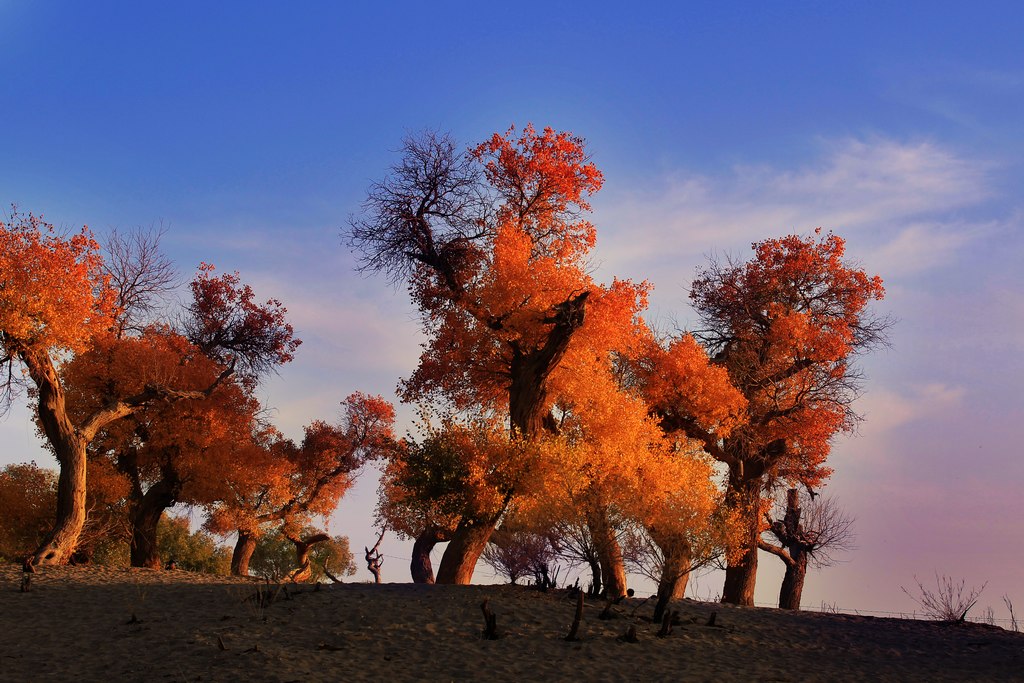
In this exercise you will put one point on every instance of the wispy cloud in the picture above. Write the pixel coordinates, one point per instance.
(887, 409)
(899, 201)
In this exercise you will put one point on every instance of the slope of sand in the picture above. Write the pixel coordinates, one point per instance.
(88, 624)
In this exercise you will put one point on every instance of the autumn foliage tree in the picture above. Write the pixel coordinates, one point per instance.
(28, 496)
(280, 485)
(172, 451)
(55, 301)
(457, 472)
(493, 249)
(166, 452)
(786, 326)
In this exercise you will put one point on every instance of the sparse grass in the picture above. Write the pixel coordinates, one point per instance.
(949, 601)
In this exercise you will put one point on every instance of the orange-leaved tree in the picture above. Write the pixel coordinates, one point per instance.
(171, 451)
(280, 485)
(694, 401)
(167, 452)
(455, 473)
(55, 301)
(492, 245)
(786, 326)
(28, 494)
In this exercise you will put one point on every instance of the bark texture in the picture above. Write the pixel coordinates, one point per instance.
(147, 511)
(303, 567)
(675, 571)
(797, 546)
(420, 566)
(245, 546)
(464, 550)
(609, 553)
(69, 446)
(744, 491)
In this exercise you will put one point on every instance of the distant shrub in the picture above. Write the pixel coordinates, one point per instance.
(950, 601)
(28, 500)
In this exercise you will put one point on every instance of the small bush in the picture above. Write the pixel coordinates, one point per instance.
(950, 601)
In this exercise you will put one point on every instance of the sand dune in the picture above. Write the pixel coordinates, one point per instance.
(89, 624)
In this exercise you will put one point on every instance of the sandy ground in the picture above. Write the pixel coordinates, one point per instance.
(86, 624)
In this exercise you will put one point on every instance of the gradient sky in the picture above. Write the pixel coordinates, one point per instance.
(251, 131)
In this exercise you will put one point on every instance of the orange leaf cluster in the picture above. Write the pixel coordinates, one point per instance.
(53, 295)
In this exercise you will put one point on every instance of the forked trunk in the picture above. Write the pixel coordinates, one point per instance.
(609, 553)
(464, 550)
(420, 566)
(529, 369)
(245, 546)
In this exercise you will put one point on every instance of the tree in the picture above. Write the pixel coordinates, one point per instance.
(275, 556)
(194, 551)
(457, 473)
(167, 452)
(170, 452)
(515, 553)
(492, 248)
(786, 326)
(811, 533)
(28, 496)
(141, 276)
(55, 301)
(279, 484)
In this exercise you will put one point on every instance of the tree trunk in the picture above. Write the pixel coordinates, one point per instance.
(69, 447)
(303, 567)
(529, 370)
(744, 491)
(793, 581)
(420, 566)
(245, 546)
(609, 553)
(146, 518)
(596, 579)
(675, 574)
(464, 550)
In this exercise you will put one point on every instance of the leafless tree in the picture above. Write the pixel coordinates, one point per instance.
(814, 533)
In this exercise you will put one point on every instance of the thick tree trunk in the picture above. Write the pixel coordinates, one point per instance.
(609, 553)
(793, 581)
(60, 544)
(146, 518)
(529, 369)
(675, 574)
(420, 566)
(69, 447)
(464, 550)
(741, 574)
(69, 444)
(245, 546)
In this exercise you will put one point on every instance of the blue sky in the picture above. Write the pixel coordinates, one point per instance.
(251, 130)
